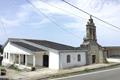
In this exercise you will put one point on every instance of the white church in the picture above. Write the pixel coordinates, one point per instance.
(43, 53)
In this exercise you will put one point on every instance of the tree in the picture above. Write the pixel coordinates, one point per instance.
(1, 57)
(1, 50)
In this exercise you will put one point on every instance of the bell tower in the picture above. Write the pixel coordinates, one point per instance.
(94, 52)
(90, 30)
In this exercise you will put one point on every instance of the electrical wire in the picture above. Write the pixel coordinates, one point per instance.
(92, 15)
(51, 19)
(4, 29)
(62, 9)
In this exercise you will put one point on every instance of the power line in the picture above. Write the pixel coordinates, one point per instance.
(92, 15)
(62, 9)
(65, 10)
(73, 13)
(57, 25)
(3, 27)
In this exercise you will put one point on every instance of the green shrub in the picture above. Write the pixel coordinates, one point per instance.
(13, 66)
(86, 69)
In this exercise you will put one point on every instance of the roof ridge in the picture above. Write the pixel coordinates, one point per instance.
(46, 43)
(59, 43)
(16, 39)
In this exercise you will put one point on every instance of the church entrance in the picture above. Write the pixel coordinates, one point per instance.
(45, 60)
(93, 59)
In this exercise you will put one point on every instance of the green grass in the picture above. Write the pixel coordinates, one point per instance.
(14, 67)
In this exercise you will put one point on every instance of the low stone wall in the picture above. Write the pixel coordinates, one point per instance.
(117, 60)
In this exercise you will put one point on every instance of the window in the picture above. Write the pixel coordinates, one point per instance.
(68, 58)
(79, 57)
(7, 55)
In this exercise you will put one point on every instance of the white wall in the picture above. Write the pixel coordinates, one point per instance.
(12, 58)
(10, 48)
(53, 60)
(114, 52)
(115, 60)
(39, 59)
(73, 62)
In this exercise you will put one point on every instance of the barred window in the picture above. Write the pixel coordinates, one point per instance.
(79, 57)
(7, 55)
(68, 58)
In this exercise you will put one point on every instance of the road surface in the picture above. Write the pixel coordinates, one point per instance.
(112, 74)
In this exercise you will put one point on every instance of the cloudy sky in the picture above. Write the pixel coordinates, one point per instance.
(56, 21)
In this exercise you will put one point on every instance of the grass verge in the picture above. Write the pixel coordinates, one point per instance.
(14, 67)
(86, 70)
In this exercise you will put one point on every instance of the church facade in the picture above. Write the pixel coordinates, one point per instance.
(95, 52)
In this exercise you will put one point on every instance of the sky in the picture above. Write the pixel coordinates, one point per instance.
(56, 21)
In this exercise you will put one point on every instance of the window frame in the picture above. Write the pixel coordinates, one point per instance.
(7, 55)
(78, 57)
(68, 58)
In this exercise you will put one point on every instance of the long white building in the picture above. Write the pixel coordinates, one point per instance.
(44, 53)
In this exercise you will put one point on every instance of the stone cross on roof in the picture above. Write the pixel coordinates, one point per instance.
(90, 21)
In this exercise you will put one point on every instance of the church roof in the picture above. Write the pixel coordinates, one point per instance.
(30, 44)
(27, 46)
(50, 44)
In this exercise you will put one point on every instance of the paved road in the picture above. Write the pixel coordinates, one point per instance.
(112, 74)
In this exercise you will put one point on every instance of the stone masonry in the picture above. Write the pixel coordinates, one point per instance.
(94, 50)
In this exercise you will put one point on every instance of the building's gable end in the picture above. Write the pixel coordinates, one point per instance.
(12, 48)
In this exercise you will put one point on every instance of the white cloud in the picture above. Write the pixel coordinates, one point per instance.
(106, 10)
(43, 21)
(18, 18)
(23, 14)
(76, 25)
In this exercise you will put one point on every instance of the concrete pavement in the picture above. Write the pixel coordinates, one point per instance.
(112, 74)
(45, 72)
